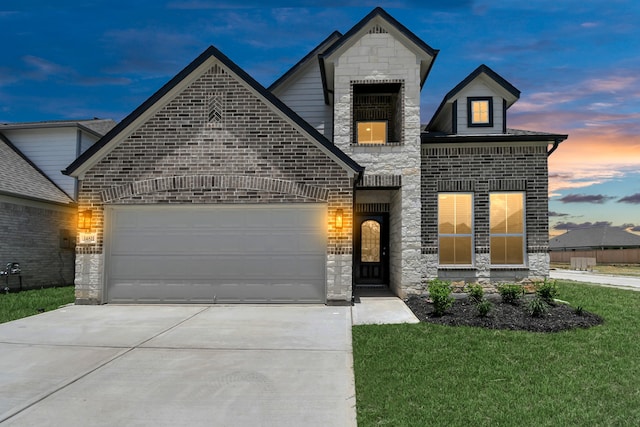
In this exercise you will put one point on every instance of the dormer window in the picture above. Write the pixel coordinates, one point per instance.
(480, 111)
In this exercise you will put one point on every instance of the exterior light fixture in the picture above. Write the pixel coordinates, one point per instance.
(339, 213)
(84, 220)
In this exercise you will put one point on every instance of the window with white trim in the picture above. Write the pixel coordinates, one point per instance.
(507, 228)
(455, 228)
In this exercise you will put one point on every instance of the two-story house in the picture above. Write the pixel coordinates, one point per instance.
(217, 189)
(37, 202)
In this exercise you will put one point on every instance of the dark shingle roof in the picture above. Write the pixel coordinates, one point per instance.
(21, 178)
(595, 237)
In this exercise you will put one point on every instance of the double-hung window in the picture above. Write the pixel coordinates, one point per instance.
(507, 228)
(455, 228)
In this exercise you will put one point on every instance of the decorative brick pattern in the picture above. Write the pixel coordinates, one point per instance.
(385, 181)
(256, 156)
(215, 182)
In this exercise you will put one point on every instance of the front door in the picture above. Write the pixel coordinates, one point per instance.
(371, 248)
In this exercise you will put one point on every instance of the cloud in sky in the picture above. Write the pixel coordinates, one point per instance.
(575, 226)
(585, 198)
(557, 214)
(402, 4)
(633, 199)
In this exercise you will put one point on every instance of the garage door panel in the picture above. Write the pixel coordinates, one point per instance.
(217, 269)
(217, 242)
(223, 253)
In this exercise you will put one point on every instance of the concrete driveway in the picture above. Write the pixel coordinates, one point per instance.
(179, 365)
(622, 282)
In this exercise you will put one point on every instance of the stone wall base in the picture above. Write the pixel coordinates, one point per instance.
(339, 277)
(88, 280)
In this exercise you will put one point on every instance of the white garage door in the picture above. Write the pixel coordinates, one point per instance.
(216, 254)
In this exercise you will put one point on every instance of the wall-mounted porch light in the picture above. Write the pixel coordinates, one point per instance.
(84, 220)
(339, 214)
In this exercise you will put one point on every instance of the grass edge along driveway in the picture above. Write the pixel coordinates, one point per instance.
(17, 305)
(424, 374)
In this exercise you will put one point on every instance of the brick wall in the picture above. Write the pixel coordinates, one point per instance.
(482, 170)
(249, 154)
(40, 237)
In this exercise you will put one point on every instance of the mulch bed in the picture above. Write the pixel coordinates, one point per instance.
(559, 317)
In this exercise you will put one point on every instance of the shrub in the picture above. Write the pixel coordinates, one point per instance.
(484, 307)
(548, 290)
(537, 307)
(510, 293)
(579, 310)
(440, 294)
(475, 291)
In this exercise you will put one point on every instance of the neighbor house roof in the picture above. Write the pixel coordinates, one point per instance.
(96, 127)
(19, 177)
(595, 237)
(171, 88)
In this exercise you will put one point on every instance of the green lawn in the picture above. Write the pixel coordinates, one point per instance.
(431, 375)
(27, 303)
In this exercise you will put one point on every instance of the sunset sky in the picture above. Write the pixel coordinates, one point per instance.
(576, 63)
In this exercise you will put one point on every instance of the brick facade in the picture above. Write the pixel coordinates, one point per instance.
(248, 154)
(480, 170)
(39, 236)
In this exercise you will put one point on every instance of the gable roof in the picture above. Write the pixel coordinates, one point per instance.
(207, 58)
(429, 54)
(311, 56)
(20, 177)
(512, 94)
(595, 237)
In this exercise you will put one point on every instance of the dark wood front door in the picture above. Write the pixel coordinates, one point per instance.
(371, 249)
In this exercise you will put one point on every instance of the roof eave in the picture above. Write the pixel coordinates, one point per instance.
(443, 139)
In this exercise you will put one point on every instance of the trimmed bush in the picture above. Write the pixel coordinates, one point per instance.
(475, 291)
(484, 307)
(511, 293)
(548, 290)
(440, 294)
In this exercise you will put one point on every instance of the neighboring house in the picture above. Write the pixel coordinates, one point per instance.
(608, 245)
(37, 202)
(216, 189)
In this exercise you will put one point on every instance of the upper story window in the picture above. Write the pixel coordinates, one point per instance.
(377, 113)
(372, 132)
(480, 111)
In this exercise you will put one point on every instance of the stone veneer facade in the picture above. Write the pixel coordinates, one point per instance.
(249, 154)
(378, 57)
(481, 169)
